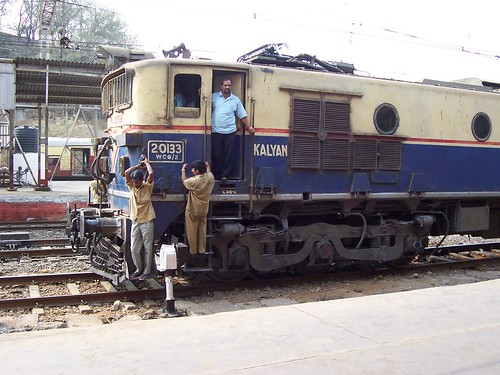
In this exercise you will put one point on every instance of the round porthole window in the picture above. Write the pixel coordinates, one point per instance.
(386, 119)
(481, 126)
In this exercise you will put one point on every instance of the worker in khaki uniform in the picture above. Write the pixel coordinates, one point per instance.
(98, 191)
(200, 187)
(142, 215)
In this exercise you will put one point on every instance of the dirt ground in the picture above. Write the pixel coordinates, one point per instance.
(310, 292)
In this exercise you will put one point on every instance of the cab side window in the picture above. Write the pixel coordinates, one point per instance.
(186, 98)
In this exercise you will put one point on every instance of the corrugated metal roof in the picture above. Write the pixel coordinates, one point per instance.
(58, 63)
(56, 78)
(70, 82)
(26, 99)
(58, 90)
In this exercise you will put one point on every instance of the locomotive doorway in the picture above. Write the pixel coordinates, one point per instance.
(238, 85)
(80, 158)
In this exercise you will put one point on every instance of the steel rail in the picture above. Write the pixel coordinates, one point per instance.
(126, 295)
(35, 242)
(81, 298)
(37, 252)
(49, 278)
(486, 246)
(52, 224)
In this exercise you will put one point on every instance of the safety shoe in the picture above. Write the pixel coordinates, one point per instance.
(135, 275)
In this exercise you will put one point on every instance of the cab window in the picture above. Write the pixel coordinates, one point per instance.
(186, 96)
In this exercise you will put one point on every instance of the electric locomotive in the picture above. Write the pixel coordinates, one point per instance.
(342, 168)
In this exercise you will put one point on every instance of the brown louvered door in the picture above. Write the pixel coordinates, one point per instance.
(321, 139)
(320, 135)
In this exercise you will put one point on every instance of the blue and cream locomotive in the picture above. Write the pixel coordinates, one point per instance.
(342, 168)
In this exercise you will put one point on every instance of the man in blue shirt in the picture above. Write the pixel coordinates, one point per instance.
(225, 108)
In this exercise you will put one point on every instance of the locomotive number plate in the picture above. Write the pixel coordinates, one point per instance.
(166, 151)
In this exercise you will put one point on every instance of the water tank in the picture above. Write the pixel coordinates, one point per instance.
(27, 137)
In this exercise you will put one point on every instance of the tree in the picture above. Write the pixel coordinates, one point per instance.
(4, 4)
(28, 20)
(78, 26)
(88, 24)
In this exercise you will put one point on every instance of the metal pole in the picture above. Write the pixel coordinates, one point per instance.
(41, 184)
(46, 142)
(170, 300)
(39, 159)
(11, 152)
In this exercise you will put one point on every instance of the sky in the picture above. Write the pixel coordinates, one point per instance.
(400, 39)
(408, 40)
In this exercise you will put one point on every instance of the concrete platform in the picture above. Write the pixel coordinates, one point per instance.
(26, 203)
(446, 330)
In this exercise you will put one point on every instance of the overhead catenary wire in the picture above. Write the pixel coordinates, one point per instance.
(390, 34)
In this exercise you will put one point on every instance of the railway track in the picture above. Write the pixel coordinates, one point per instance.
(73, 296)
(33, 225)
(37, 253)
(24, 247)
(152, 289)
(16, 241)
(35, 248)
(32, 243)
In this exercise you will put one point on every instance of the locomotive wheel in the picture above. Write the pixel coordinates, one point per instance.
(230, 276)
(236, 272)
(320, 266)
(405, 260)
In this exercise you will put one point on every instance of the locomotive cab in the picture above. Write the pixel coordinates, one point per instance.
(191, 106)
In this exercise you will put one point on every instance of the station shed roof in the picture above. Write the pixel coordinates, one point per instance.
(69, 82)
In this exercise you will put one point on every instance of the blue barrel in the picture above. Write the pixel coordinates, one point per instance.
(27, 137)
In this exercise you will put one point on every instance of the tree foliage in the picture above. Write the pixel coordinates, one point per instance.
(4, 4)
(27, 19)
(77, 26)
(89, 24)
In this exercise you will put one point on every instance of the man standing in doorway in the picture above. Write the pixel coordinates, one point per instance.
(225, 108)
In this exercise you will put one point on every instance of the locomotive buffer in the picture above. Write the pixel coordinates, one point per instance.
(168, 264)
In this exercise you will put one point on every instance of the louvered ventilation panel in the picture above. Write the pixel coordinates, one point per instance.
(336, 154)
(305, 152)
(306, 115)
(337, 117)
(365, 154)
(389, 156)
